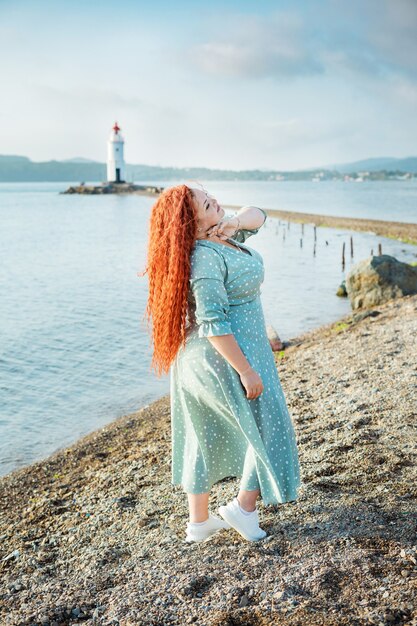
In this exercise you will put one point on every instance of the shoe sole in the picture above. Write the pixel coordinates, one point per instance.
(198, 540)
(228, 516)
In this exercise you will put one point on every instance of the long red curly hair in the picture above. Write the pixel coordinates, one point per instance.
(172, 233)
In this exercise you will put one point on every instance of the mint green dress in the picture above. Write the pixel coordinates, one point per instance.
(216, 431)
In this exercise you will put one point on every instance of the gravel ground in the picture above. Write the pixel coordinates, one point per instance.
(94, 534)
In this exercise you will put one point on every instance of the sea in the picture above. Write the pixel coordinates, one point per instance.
(75, 349)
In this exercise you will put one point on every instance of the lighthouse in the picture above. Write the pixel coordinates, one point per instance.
(115, 158)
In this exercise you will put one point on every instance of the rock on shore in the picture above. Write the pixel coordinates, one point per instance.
(95, 533)
(377, 279)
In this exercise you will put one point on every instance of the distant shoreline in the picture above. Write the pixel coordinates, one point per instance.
(17, 168)
(403, 231)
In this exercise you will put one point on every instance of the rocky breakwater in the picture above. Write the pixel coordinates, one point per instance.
(116, 188)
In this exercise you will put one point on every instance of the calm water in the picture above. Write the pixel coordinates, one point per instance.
(75, 353)
(392, 200)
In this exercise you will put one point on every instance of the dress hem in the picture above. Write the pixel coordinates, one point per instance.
(292, 498)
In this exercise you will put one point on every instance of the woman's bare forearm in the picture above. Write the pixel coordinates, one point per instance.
(250, 217)
(231, 351)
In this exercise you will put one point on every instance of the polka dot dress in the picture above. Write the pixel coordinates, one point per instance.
(217, 432)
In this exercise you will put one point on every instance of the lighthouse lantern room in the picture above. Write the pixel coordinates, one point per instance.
(115, 158)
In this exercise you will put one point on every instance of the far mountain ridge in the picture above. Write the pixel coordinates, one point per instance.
(78, 160)
(15, 168)
(376, 164)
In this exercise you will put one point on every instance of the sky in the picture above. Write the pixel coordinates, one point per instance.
(234, 85)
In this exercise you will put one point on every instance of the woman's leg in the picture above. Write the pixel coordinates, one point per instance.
(247, 499)
(198, 504)
(249, 484)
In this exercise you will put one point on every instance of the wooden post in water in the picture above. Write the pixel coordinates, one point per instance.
(315, 233)
(379, 249)
(343, 256)
(351, 247)
(301, 242)
(302, 228)
(372, 252)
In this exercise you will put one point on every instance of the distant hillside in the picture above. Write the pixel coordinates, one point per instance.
(79, 160)
(407, 164)
(21, 169)
(8, 158)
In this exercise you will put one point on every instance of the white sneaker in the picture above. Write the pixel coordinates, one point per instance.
(203, 532)
(245, 525)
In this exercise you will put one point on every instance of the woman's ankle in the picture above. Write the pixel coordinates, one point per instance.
(198, 507)
(247, 499)
(199, 523)
(247, 507)
(199, 519)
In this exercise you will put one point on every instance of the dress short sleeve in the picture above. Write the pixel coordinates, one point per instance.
(207, 285)
(243, 233)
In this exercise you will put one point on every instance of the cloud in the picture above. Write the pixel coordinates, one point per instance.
(296, 132)
(393, 36)
(103, 99)
(258, 47)
(376, 39)
(370, 39)
(231, 84)
(89, 96)
(254, 61)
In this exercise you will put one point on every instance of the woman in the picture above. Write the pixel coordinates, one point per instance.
(228, 411)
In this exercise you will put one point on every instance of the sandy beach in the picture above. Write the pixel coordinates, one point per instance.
(95, 532)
